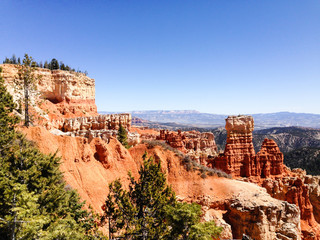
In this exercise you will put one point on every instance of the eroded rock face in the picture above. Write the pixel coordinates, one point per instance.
(270, 158)
(109, 121)
(199, 146)
(102, 126)
(71, 92)
(274, 219)
(250, 210)
(239, 158)
(303, 191)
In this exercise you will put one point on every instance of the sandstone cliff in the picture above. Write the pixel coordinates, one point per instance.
(63, 93)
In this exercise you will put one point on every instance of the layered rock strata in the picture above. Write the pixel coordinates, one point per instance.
(239, 158)
(70, 92)
(200, 146)
(108, 121)
(102, 126)
(303, 191)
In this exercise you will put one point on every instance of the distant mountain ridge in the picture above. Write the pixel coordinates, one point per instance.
(195, 118)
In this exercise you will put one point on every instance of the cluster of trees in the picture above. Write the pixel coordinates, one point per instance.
(54, 64)
(35, 203)
(149, 210)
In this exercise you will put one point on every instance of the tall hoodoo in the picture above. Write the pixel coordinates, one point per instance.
(239, 158)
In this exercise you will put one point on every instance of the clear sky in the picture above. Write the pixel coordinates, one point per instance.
(225, 57)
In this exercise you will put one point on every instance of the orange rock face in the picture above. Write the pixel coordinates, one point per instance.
(239, 158)
(296, 189)
(199, 146)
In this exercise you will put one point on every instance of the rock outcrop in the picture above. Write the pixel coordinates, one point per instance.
(102, 126)
(303, 191)
(70, 92)
(275, 220)
(199, 146)
(239, 158)
(108, 121)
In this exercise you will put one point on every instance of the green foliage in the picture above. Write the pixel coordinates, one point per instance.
(26, 81)
(52, 65)
(184, 219)
(34, 201)
(148, 210)
(122, 136)
(7, 120)
(140, 212)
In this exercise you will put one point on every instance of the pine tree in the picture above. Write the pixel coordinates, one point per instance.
(185, 222)
(26, 81)
(122, 136)
(54, 64)
(140, 212)
(46, 65)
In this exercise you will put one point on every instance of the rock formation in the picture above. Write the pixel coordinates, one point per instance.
(303, 191)
(71, 92)
(102, 126)
(239, 158)
(110, 121)
(68, 94)
(276, 220)
(199, 146)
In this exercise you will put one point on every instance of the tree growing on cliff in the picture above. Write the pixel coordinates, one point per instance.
(26, 81)
(122, 136)
(149, 210)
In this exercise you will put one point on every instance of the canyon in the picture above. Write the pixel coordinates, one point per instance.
(264, 199)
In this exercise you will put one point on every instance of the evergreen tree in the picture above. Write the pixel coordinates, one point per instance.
(140, 212)
(148, 210)
(54, 64)
(62, 66)
(34, 201)
(122, 136)
(14, 59)
(7, 120)
(185, 222)
(26, 81)
(46, 65)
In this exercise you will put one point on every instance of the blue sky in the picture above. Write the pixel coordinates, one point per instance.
(224, 57)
